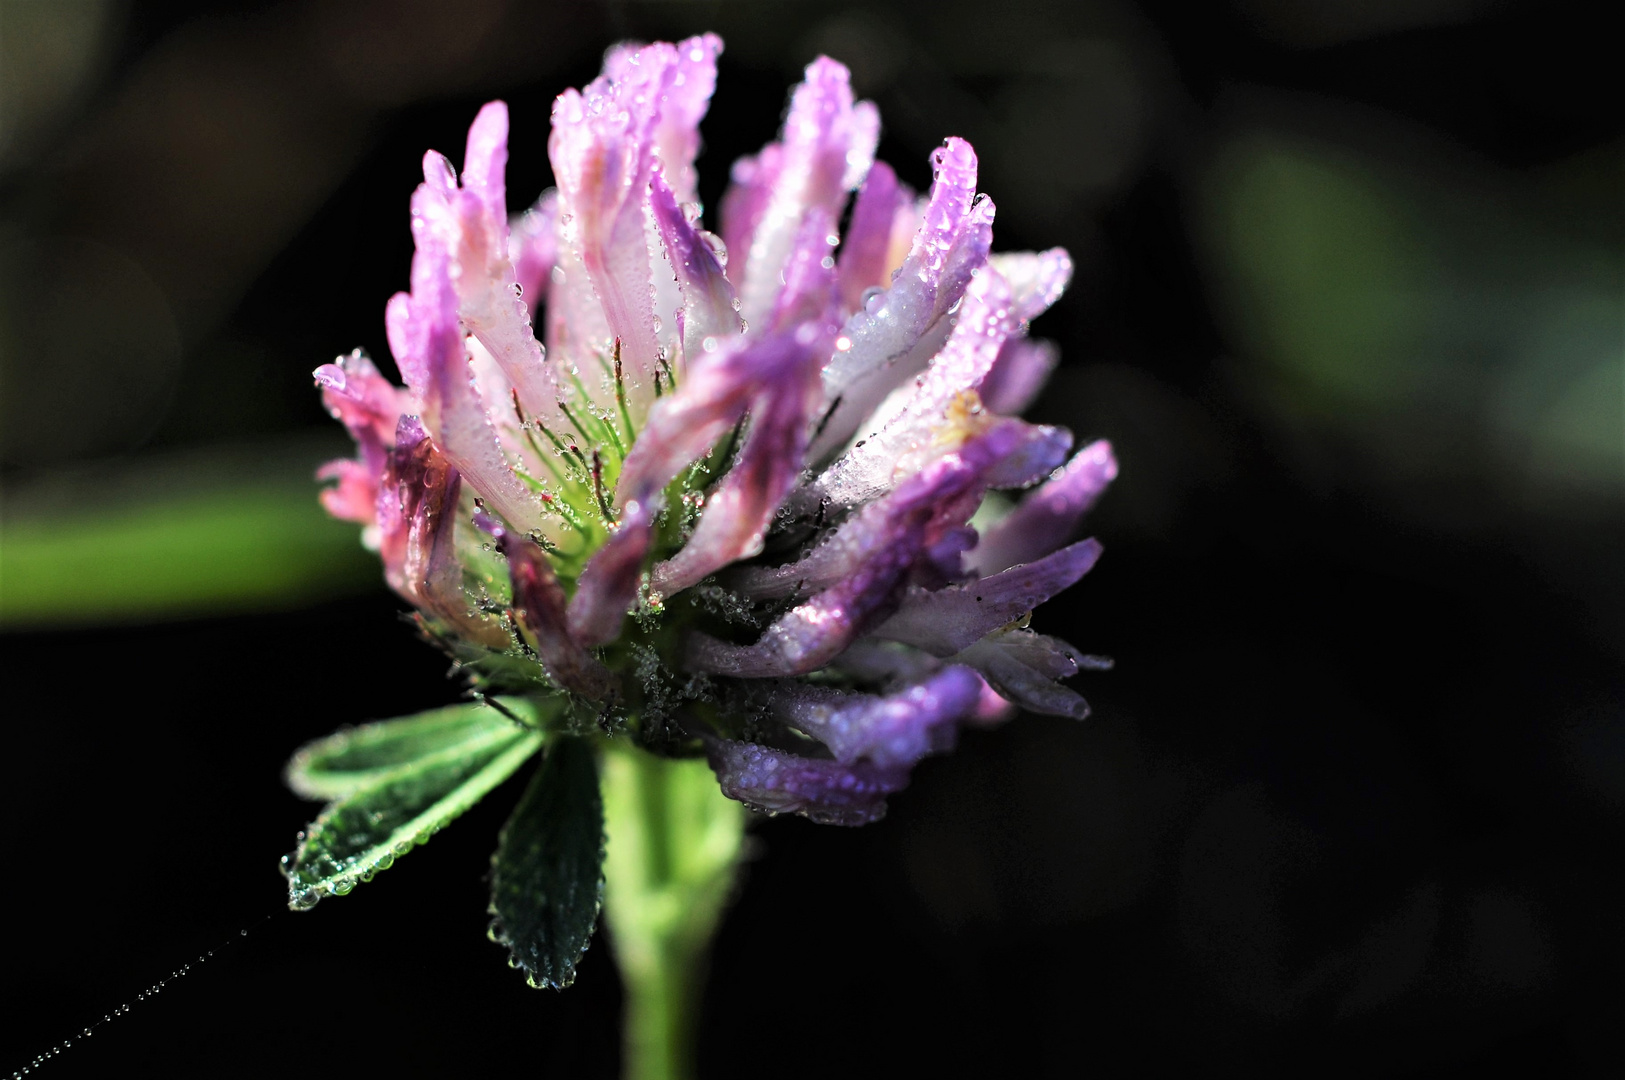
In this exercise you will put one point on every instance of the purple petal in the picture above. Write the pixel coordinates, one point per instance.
(913, 516)
(540, 604)
(417, 517)
(1018, 375)
(737, 514)
(716, 390)
(1037, 278)
(943, 562)
(917, 431)
(885, 663)
(1003, 664)
(896, 729)
(806, 298)
(828, 145)
(677, 132)
(1050, 657)
(902, 328)
(858, 572)
(533, 248)
(866, 249)
(708, 298)
(824, 791)
(1050, 514)
(608, 586)
(812, 634)
(766, 373)
(750, 187)
(949, 620)
(1039, 450)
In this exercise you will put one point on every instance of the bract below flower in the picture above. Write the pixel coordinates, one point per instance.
(714, 492)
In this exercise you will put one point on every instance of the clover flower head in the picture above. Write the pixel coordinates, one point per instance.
(725, 493)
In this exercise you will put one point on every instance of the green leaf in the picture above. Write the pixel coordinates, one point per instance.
(365, 831)
(346, 761)
(548, 871)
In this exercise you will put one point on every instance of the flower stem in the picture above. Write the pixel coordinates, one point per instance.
(674, 843)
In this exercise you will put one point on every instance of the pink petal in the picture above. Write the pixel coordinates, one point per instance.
(355, 496)
(427, 339)
(533, 248)
(540, 604)
(602, 149)
(828, 145)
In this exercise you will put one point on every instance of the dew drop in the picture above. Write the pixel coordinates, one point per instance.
(872, 298)
(658, 324)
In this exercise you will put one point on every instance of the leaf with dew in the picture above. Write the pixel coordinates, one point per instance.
(395, 809)
(337, 766)
(547, 876)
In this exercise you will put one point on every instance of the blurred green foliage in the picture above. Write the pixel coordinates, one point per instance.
(200, 535)
(1448, 327)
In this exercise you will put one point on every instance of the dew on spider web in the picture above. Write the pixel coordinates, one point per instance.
(122, 1009)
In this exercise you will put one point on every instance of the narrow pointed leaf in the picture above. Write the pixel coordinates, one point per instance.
(346, 761)
(547, 877)
(365, 831)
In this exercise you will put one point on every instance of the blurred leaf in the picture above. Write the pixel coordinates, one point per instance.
(346, 761)
(222, 531)
(1442, 318)
(369, 828)
(547, 876)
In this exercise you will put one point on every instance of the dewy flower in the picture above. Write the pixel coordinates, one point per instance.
(727, 494)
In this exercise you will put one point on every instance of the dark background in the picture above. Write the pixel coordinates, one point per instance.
(1349, 306)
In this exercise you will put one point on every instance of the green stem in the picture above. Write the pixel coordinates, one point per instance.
(674, 843)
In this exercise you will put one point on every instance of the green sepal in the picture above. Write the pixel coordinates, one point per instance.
(547, 878)
(346, 761)
(369, 828)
